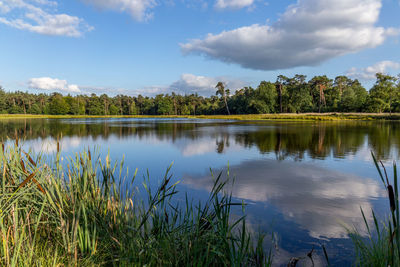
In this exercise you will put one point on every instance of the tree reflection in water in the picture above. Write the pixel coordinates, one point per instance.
(285, 139)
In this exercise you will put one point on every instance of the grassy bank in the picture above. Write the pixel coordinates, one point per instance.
(83, 214)
(279, 117)
(308, 117)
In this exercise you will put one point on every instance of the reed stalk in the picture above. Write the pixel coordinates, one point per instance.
(381, 247)
(82, 211)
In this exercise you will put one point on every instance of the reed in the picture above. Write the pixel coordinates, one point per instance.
(83, 211)
(382, 245)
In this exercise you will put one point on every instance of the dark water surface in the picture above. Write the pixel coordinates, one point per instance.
(302, 181)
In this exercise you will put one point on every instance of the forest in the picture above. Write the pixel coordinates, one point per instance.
(286, 95)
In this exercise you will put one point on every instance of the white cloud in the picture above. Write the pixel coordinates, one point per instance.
(40, 16)
(99, 90)
(48, 145)
(203, 85)
(45, 2)
(233, 4)
(306, 34)
(50, 84)
(369, 73)
(317, 199)
(187, 84)
(4, 8)
(138, 9)
(196, 148)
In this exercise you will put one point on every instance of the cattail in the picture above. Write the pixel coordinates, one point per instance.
(29, 158)
(23, 166)
(27, 180)
(38, 185)
(5, 173)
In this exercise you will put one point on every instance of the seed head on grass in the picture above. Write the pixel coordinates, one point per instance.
(80, 214)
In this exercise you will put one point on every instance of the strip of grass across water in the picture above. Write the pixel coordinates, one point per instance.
(282, 117)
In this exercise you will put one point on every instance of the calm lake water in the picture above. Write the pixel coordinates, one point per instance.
(302, 181)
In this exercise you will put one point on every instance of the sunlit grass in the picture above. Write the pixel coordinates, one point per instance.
(283, 117)
(83, 211)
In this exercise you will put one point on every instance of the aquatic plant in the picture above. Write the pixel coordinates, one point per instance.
(382, 245)
(82, 211)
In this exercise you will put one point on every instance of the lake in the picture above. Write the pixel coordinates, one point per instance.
(302, 181)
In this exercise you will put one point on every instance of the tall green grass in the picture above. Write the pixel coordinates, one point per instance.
(382, 245)
(80, 212)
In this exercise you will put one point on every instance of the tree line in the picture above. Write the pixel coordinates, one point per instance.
(286, 95)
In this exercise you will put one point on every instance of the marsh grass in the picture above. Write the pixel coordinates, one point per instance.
(82, 211)
(382, 245)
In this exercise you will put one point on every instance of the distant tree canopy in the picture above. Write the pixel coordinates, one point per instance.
(285, 95)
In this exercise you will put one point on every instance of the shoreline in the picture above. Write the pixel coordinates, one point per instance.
(332, 116)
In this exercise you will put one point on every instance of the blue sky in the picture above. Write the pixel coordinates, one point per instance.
(153, 46)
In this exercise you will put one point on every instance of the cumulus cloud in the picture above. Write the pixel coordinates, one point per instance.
(317, 199)
(40, 16)
(369, 73)
(204, 144)
(233, 4)
(187, 84)
(138, 9)
(306, 34)
(50, 84)
(203, 85)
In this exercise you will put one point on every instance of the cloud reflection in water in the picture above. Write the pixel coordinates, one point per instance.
(317, 199)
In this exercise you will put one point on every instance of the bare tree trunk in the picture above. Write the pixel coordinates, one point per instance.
(321, 138)
(226, 105)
